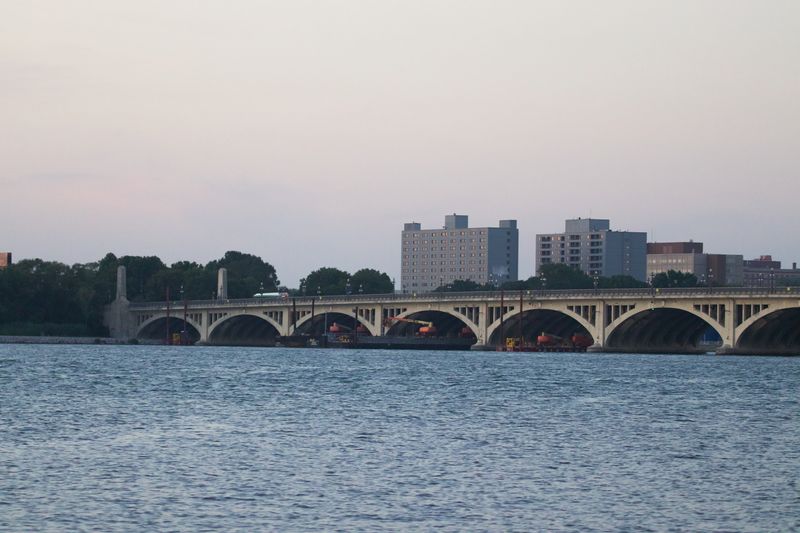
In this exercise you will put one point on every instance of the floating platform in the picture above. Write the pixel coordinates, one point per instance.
(376, 343)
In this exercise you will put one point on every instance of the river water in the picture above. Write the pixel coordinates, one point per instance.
(137, 438)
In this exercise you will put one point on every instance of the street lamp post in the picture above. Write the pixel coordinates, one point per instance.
(184, 335)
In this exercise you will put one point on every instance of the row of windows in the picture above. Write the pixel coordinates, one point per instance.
(434, 263)
(444, 248)
(443, 241)
(437, 271)
(441, 256)
(572, 237)
(445, 234)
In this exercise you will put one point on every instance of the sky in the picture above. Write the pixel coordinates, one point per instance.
(308, 132)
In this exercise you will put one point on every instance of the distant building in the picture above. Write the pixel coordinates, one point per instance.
(435, 257)
(589, 245)
(688, 257)
(5, 259)
(765, 272)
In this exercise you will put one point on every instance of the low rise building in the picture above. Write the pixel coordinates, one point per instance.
(435, 257)
(766, 272)
(688, 257)
(589, 245)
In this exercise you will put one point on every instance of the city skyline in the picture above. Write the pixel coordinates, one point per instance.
(309, 133)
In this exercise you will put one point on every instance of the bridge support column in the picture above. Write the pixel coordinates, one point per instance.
(204, 328)
(729, 341)
(600, 328)
(483, 328)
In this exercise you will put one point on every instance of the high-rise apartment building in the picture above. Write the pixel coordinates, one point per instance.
(589, 245)
(435, 257)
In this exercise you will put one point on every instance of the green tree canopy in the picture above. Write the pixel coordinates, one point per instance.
(558, 276)
(371, 281)
(464, 285)
(247, 274)
(325, 280)
(528, 284)
(674, 278)
(621, 282)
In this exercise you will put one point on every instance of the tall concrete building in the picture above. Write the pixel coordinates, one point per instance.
(589, 245)
(434, 257)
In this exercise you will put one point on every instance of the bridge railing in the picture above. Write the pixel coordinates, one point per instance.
(510, 295)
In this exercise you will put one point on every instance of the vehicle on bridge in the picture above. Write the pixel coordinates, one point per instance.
(283, 295)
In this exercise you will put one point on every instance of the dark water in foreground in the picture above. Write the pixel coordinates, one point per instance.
(112, 438)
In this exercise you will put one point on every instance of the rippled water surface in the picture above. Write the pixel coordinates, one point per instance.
(196, 439)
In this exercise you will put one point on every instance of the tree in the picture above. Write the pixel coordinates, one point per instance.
(532, 283)
(560, 276)
(371, 281)
(141, 272)
(673, 278)
(247, 274)
(621, 282)
(326, 280)
(465, 285)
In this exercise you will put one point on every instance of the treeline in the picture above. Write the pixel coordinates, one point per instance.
(50, 298)
(554, 276)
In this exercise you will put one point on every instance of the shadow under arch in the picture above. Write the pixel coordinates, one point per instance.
(447, 325)
(243, 330)
(776, 333)
(321, 323)
(156, 330)
(535, 322)
(661, 330)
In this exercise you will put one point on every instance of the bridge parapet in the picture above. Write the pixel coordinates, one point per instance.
(559, 295)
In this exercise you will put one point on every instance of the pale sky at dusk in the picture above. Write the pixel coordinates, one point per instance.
(308, 132)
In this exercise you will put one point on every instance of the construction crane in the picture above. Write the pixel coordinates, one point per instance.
(427, 327)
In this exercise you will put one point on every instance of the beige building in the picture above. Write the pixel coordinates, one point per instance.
(435, 257)
(688, 257)
(5, 259)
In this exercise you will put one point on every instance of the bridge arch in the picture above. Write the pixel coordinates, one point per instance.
(539, 320)
(243, 329)
(773, 331)
(155, 328)
(448, 324)
(662, 329)
(315, 325)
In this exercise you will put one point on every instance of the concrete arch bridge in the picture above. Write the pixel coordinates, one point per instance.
(728, 320)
